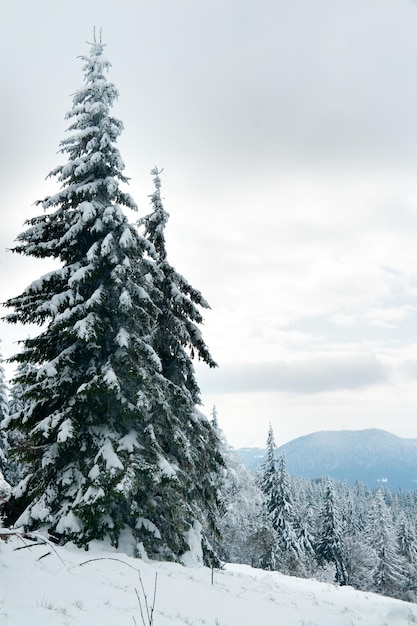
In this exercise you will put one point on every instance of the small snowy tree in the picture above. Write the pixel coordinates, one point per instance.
(389, 574)
(329, 547)
(240, 521)
(284, 524)
(4, 414)
(268, 479)
(266, 538)
(407, 548)
(4, 442)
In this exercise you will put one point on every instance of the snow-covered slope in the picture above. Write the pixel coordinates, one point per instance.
(76, 588)
(371, 456)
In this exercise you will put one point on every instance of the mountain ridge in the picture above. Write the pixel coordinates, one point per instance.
(371, 456)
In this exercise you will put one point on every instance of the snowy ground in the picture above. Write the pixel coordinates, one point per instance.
(59, 590)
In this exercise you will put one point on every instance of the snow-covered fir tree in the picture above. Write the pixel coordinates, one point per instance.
(4, 441)
(290, 551)
(4, 414)
(104, 446)
(192, 442)
(240, 521)
(266, 539)
(329, 547)
(268, 480)
(15, 438)
(390, 572)
(407, 548)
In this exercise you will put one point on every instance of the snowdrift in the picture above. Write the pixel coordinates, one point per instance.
(43, 586)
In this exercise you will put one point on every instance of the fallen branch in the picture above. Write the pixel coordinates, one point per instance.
(36, 538)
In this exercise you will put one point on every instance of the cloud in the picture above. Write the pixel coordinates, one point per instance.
(408, 368)
(307, 376)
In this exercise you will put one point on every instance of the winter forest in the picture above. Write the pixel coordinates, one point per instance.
(101, 432)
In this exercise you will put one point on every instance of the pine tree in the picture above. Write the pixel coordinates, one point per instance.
(266, 537)
(389, 575)
(15, 438)
(178, 302)
(192, 442)
(239, 521)
(284, 521)
(99, 451)
(268, 481)
(407, 548)
(329, 548)
(4, 441)
(304, 522)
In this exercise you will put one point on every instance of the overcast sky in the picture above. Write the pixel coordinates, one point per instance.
(287, 130)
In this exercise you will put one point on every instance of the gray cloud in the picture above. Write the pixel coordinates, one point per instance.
(308, 376)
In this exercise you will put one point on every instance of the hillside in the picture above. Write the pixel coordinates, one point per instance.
(71, 587)
(371, 456)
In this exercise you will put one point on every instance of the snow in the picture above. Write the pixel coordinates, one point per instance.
(166, 468)
(129, 442)
(90, 497)
(125, 300)
(78, 588)
(122, 338)
(66, 431)
(80, 274)
(85, 327)
(107, 245)
(194, 557)
(126, 239)
(5, 488)
(69, 523)
(48, 370)
(110, 377)
(150, 526)
(109, 456)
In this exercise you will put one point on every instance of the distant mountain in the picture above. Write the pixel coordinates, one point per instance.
(370, 456)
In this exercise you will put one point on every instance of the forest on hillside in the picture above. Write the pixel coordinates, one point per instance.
(101, 430)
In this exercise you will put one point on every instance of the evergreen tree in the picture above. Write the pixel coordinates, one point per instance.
(4, 414)
(214, 421)
(195, 448)
(16, 405)
(240, 522)
(4, 442)
(266, 537)
(407, 547)
(389, 574)
(329, 548)
(268, 481)
(100, 452)
(284, 520)
(304, 523)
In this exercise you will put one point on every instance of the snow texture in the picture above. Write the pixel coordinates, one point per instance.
(71, 586)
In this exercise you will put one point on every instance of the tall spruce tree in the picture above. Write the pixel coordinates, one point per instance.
(268, 482)
(266, 538)
(191, 442)
(98, 444)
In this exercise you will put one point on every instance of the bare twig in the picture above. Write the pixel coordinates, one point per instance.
(104, 558)
(36, 538)
(149, 608)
